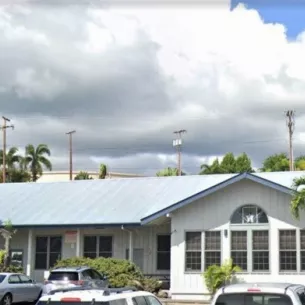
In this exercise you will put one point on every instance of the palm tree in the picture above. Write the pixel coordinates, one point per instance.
(11, 158)
(103, 171)
(35, 159)
(298, 198)
(82, 176)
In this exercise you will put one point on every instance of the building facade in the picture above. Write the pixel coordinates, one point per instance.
(171, 227)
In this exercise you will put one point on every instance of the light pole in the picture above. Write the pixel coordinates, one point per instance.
(70, 133)
(178, 143)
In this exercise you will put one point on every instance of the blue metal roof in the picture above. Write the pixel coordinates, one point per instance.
(112, 202)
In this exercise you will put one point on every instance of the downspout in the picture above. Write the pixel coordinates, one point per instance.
(130, 256)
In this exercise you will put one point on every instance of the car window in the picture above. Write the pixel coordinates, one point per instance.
(151, 300)
(63, 276)
(87, 275)
(2, 277)
(118, 302)
(253, 299)
(14, 279)
(96, 275)
(24, 279)
(301, 295)
(140, 300)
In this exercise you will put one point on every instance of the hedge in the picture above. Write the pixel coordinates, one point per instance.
(120, 272)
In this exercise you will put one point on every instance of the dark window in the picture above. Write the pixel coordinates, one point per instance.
(163, 252)
(250, 299)
(302, 248)
(260, 250)
(105, 246)
(25, 279)
(59, 276)
(139, 300)
(193, 251)
(90, 244)
(2, 277)
(212, 255)
(239, 249)
(288, 253)
(301, 296)
(152, 300)
(249, 214)
(14, 279)
(48, 251)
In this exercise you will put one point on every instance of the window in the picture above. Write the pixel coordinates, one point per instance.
(212, 252)
(239, 253)
(193, 251)
(25, 279)
(288, 253)
(249, 214)
(17, 258)
(302, 248)
(163, 252)
(260, 250)
(48, 251)
(152, 300)
(14, 279)
(95, 246)
(140, 300)
(2, 277)
(60, 276)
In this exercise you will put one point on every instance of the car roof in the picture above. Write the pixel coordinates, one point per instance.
(71, 269)
(265, 286)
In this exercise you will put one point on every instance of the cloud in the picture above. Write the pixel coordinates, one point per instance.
(126, 77)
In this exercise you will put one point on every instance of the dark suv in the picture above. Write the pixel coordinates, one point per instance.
(64, 277)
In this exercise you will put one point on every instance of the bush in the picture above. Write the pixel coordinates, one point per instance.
(120, 272)
(218, 276)
(11, 268)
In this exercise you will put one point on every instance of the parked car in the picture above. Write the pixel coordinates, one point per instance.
(73, 277)
(17, 287)
(101, 296)
(260, 293)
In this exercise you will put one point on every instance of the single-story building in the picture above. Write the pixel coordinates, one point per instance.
(173, 227)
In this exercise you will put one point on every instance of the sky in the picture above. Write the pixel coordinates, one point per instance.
(126, 76)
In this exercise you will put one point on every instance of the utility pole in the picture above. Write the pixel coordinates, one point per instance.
(70, 133)
(178, 143)
(290, 121)
(4, 127)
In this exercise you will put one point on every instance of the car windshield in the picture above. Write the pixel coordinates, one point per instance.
(253, 299)
(63, 276)
(2, 277)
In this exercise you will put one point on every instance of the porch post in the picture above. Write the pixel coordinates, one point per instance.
(78, 243)
(130, 246)
(30, 254)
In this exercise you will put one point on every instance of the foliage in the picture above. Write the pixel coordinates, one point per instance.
(15, 175)
(10, 268)
(119, 272)
(37, 158)
(11, 158)
(217, 276)
(82, 176)
(169, 171)
(276, 163)
(102, 171)
(229, 164)
(298, 198)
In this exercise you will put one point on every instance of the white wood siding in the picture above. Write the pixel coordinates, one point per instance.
(214, 212)
(144, 237)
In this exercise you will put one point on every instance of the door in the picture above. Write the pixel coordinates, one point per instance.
(138, 257)
(31, 291)
(15, 287)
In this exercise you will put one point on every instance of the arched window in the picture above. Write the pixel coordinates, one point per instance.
(249, 214)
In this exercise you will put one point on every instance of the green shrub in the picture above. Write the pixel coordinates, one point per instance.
(120, 272)
(217, 276)
(11, 268)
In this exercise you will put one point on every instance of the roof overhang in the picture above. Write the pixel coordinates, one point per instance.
(77, 226)
(212, 190)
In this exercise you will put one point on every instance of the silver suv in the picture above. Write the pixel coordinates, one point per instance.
(65, 277)
(260, 294)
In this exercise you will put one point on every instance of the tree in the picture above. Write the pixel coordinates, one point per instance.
(102, 171)
(299, 163)
(35, 159)
(276, 163)
(7, 233)
(11, 158)
(228, 163)
(243, 164)
(16, 175)
(298, 198)
(169, 171)
(214, 168)
(82, 176)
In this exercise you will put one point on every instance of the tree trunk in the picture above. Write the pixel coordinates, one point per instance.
(7, 257)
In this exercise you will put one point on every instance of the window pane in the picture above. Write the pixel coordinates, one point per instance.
(163, 261)
(212, 258)
(90, 254)
(55, 243)
(90, 244)
(163, 243)
(41, 244)
(193, 241)
(302, 260)
(152, 300)
(260, 261)
(288, 260)
(287, 240)
(105, 244)
(140, 300)
(212, 240)
(54, 257)
(239, 240)
(61, 276)
(302, 237)
(193, 261)
(260, 240)
(105, 254)
(240, 259)
(41, 261)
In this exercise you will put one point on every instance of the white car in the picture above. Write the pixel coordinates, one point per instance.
(260, 294)
(102, 296)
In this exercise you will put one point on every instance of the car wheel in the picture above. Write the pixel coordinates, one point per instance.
(7, 299)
